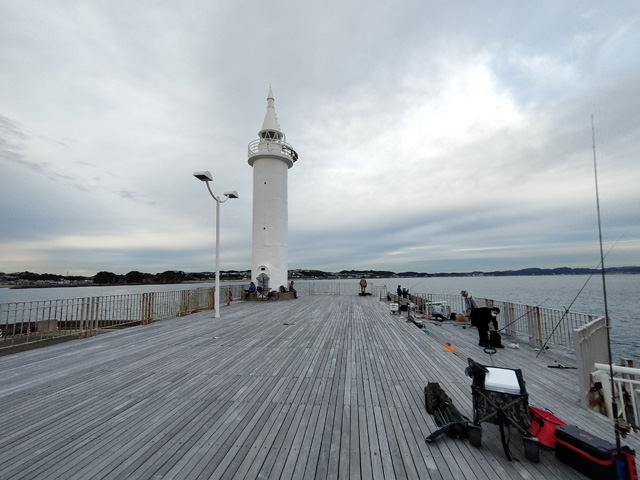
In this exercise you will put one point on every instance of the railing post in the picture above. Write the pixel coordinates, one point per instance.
(147, 308)
(539, 324)
(511, 319)
(93, 319)
(184, 302)
(84, 307)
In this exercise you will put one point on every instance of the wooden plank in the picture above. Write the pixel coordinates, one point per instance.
(335, 390)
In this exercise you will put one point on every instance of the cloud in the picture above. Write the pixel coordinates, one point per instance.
(431, 137)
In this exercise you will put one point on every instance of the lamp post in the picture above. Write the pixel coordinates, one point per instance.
(206, 177)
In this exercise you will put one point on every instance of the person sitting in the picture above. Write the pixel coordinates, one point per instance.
(291, 289)
(252, 289)
(438, 313)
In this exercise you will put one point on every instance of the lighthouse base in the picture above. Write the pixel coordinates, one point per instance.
(252, 297)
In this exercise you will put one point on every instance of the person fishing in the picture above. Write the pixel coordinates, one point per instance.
(481, 318)
(469, 302)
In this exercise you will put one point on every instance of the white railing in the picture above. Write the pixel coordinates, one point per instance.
(286, 149)
(627, 391)
(338, 288)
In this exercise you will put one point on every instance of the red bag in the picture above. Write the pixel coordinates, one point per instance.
(543, 426)
(630, 458)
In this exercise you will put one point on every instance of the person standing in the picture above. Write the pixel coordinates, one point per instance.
(469, 302)
(363, 286)
(481, 318)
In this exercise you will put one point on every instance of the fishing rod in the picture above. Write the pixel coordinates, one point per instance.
(614, 405)
(523, 315)
(566, 310)
(414, 285)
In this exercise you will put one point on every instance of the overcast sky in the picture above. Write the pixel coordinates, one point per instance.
(432, 136)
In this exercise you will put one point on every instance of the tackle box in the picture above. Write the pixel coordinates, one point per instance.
(586, 453)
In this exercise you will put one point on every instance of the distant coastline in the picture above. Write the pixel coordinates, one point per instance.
(47, 280)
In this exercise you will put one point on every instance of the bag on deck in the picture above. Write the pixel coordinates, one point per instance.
(594, 457)
(543, 425)
(446, 415)
(495, 339)
(630, 461)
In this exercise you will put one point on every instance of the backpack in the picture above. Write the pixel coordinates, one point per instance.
(495, 339)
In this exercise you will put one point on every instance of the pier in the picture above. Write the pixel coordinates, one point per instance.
(320, 387)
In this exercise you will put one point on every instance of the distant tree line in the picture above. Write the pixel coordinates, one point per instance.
(47, 277)
(178, 276)
(166, 277)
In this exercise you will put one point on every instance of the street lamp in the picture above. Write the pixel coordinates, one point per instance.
(206, 177)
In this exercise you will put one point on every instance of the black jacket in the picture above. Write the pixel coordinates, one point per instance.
(482, 317)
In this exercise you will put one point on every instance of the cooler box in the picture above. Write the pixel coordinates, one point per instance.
(500, 397)
(502, 380)
(588, 454)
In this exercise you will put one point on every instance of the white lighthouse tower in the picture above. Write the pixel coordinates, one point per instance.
(271, 158)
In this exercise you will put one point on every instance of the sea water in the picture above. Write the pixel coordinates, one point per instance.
(577, 293)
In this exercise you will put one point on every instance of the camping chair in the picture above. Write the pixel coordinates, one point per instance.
(500, 397)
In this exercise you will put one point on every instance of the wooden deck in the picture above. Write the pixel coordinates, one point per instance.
(320, 387)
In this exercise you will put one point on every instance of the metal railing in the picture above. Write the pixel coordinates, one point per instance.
(535, 325)
(28, 322)
(338, 288)
(286, 149)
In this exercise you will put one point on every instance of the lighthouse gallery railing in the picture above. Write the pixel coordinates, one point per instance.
(286, 148)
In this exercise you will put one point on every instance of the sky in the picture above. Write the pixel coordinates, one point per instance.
(432, 136)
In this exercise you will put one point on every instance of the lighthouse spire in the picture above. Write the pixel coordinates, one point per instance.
(270, 127)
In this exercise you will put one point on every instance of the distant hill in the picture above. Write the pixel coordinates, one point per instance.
(30, 279)
(501, 273)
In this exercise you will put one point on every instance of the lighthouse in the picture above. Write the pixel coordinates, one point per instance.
(271, 157)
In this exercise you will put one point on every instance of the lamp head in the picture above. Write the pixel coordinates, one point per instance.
(204, 176)
(233, 194)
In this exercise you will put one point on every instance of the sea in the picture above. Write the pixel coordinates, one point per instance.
(577, 293)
